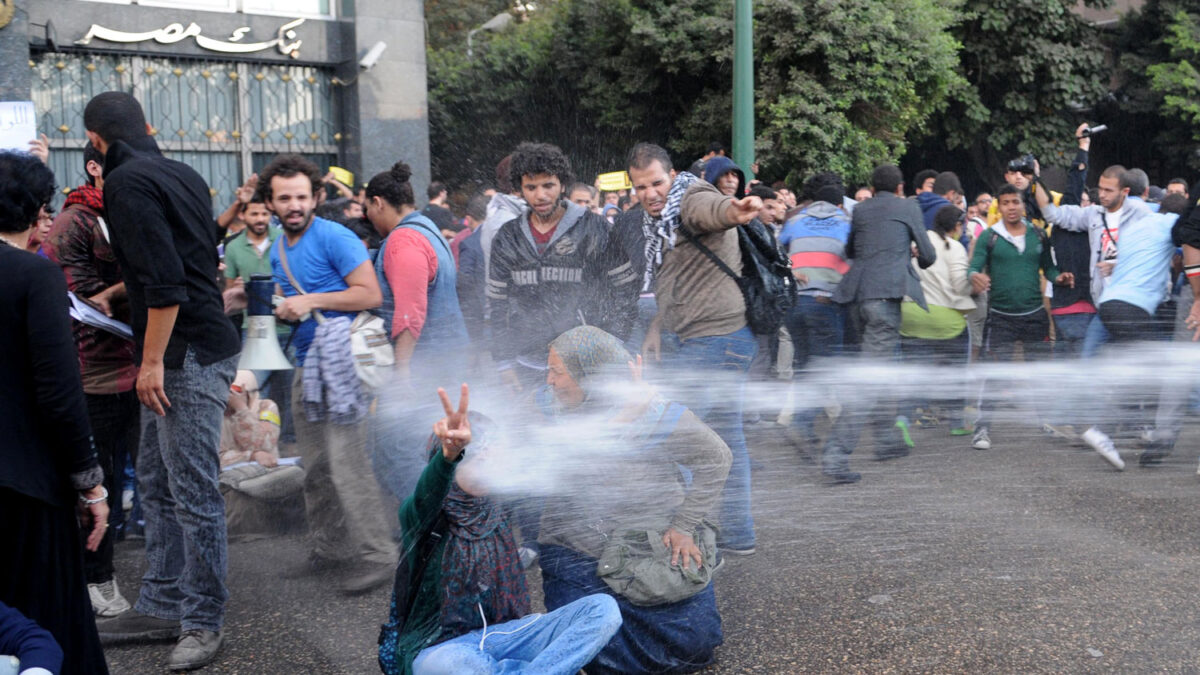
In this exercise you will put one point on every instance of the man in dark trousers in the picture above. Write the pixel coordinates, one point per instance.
(159, 214)
(79, 244)
(882, 232)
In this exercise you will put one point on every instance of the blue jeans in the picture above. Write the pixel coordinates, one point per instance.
(678, 637)
(647, 307)
(1070, 331)
(720, 363)
(1094, 339)
(818, 330)
(177, 467)
(562, 641)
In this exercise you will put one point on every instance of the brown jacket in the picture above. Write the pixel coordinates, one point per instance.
(622, 489)
(695, 298)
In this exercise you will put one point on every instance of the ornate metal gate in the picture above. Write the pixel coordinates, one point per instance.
(222, 118)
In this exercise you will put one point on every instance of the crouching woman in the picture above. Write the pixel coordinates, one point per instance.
(634, 525)
(460, 604)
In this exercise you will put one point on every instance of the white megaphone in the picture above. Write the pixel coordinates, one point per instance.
(260, 348)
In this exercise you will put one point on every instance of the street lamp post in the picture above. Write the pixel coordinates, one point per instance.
(743, 86)
(495, 24)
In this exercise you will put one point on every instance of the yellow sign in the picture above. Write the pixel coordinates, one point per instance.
(342, 176)
(7, 7)
(615, 181)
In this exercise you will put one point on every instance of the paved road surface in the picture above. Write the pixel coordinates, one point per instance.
(1032, 557)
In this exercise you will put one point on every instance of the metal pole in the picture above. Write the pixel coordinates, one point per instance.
(743, 85)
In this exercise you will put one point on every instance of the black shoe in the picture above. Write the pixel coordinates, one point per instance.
(133, 530)
(133, 626)
(1154, 453)
(892, 453)
(842, 477)
(368, 578)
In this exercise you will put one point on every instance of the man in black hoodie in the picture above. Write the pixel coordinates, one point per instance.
(160, 220)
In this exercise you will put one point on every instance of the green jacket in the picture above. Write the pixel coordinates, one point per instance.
(1016, 285)
(418, 514)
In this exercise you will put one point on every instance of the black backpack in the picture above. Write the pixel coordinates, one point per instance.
(766, 280)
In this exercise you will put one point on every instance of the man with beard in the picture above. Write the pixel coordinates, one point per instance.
(159, 214)
(346, 517)
(246, 256)
(552, 268)
(652, 175)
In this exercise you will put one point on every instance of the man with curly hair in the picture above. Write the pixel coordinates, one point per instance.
(552, 268)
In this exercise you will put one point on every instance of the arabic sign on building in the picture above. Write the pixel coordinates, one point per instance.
(285, 39)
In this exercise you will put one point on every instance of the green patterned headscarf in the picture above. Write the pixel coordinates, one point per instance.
(588, 351)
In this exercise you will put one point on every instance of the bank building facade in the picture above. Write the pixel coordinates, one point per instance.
(228, 84)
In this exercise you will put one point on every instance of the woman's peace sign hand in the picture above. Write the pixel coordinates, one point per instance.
(454, 430)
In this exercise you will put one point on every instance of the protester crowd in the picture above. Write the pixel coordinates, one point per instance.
(644, 314)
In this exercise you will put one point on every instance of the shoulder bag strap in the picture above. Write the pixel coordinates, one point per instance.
(291, 279)
(438, 235)
(1107, 231)
(716, 260)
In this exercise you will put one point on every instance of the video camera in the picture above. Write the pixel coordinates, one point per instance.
(1023, 164)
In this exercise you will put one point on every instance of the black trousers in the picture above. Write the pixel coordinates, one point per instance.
(1126, 322)
(115, 430)
(41, 576)
(1001, 334)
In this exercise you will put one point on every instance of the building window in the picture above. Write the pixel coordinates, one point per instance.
(220, 118)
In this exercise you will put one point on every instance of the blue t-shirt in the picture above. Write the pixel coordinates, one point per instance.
(325, 255)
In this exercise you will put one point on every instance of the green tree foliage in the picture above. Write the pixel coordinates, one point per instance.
(839, 83)
(1178, 81)
(1158, 51)
(1029, 65)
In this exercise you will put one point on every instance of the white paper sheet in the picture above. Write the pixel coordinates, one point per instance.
(18, 125)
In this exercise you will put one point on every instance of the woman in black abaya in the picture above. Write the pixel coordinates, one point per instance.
(48, 467)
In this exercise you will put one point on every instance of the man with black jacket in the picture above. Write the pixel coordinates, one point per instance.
(1071, 307)
(160, 219)
(883, 230)
(551, 268)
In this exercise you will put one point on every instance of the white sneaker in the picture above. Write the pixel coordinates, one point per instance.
(1102, 444)
(981, 440)
(127, 500)
(107, 600)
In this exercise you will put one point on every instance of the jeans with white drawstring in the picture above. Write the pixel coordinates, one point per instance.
(562, 641)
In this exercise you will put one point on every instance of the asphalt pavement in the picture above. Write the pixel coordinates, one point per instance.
(1035, 556)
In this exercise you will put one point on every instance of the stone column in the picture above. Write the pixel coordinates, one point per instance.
(393, 101)
(15, 79)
